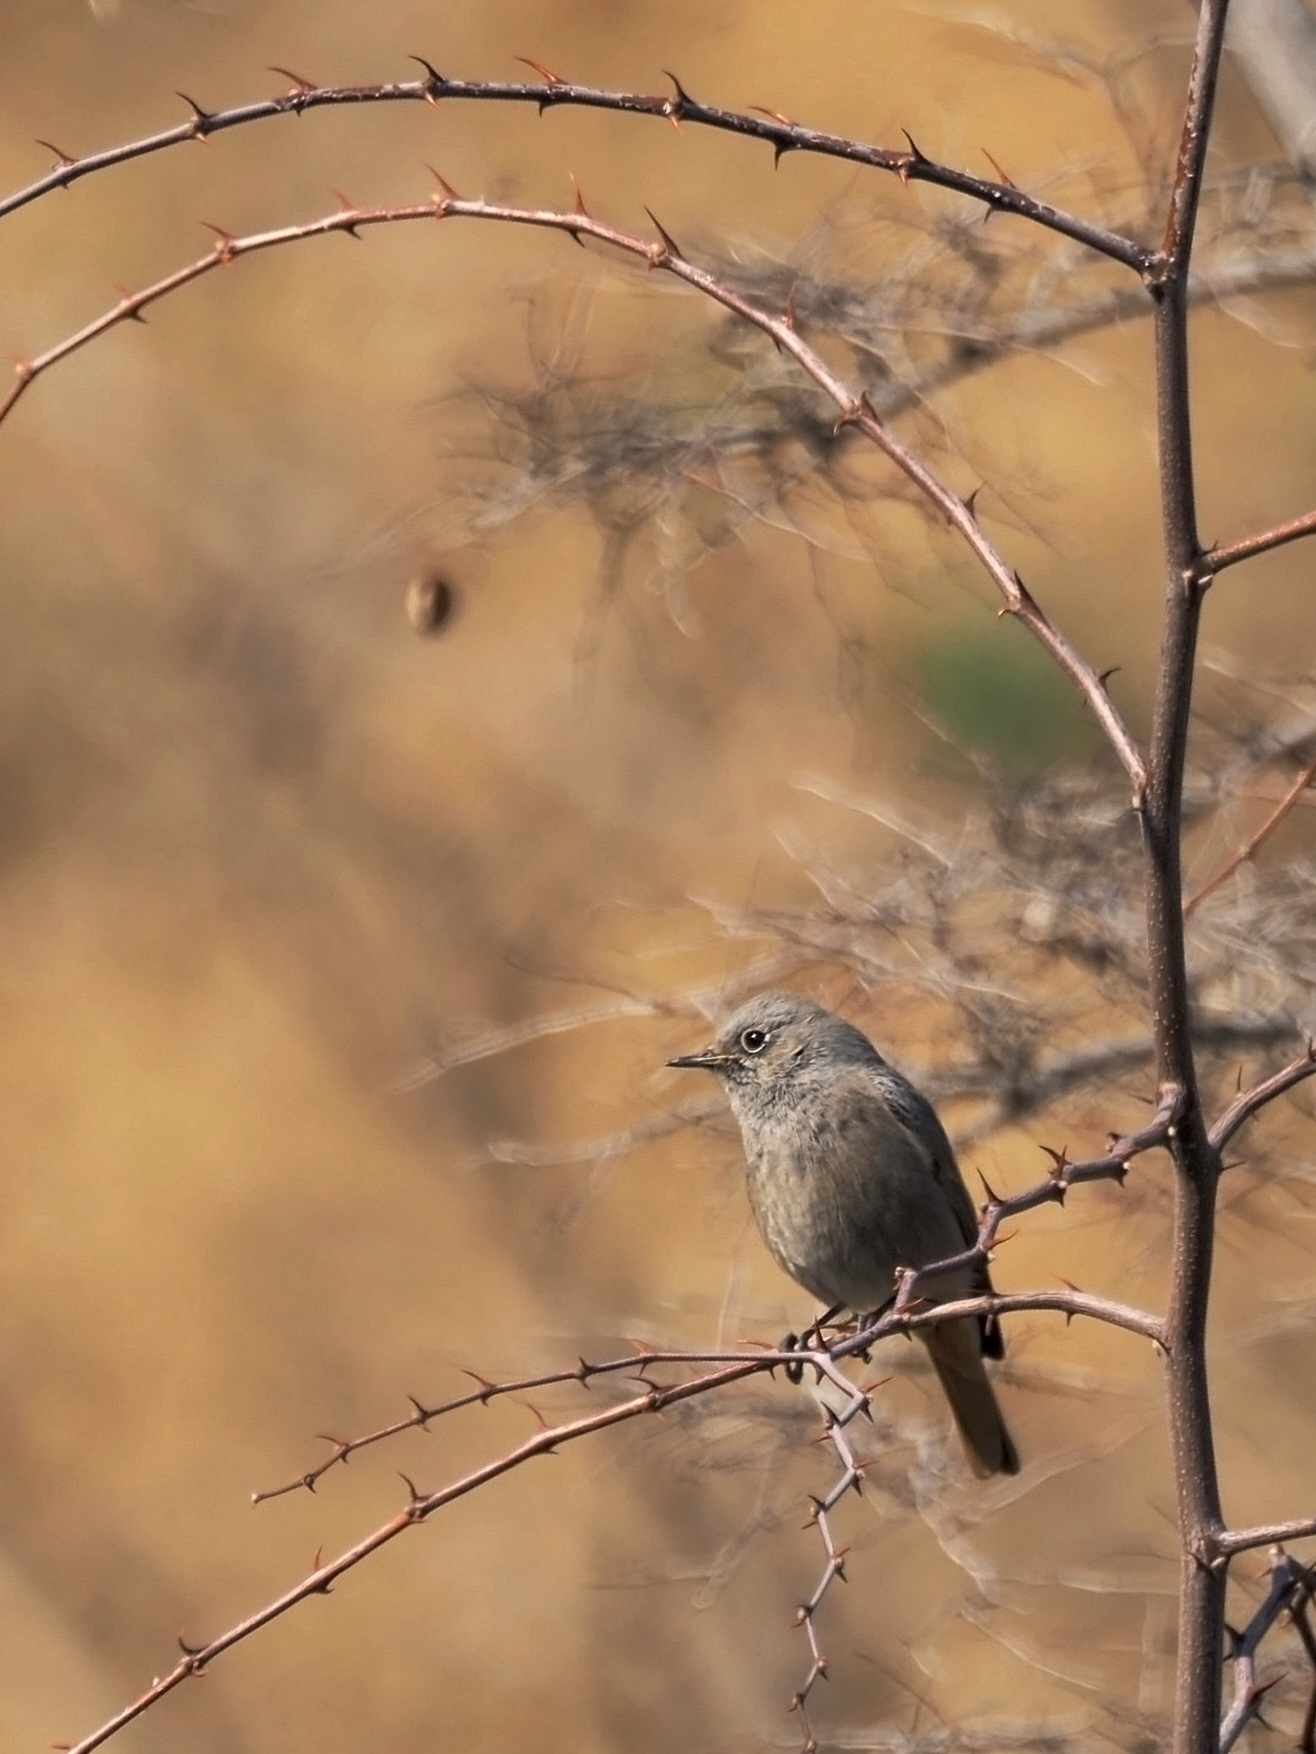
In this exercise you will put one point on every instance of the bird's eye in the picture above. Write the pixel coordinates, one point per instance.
(753, 1040)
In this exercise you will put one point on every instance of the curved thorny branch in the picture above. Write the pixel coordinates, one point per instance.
(855, 408)
(767, 126)
(909, 1313)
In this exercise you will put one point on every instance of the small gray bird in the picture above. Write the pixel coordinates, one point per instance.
(851, 1176)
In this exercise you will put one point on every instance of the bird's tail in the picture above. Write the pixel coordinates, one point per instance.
(956, 1349)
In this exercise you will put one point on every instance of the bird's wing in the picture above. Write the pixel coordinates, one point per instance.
(917, 1115)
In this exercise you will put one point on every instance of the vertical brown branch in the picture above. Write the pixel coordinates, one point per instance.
(1196, 1162)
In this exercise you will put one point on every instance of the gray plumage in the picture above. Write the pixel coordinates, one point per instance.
(851, 1176)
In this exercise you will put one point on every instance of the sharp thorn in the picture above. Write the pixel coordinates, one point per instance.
(432, 78)
(671, 249)
(1002, 176)
(303, 87)
(201, 119)
(545, 73)
(64, 160)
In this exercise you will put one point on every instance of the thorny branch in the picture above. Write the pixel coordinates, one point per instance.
(908, 1315)
(1290, 1591)
(856, 409)
(779, 132)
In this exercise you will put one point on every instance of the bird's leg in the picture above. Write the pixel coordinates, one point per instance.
(812, 1336)
(871, 1320)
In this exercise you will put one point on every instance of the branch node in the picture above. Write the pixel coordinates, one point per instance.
(202, 120)
(435, 83)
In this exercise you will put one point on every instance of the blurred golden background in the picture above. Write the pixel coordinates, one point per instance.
(267, 856)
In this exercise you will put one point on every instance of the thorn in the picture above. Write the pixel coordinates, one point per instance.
(790, 316)
(432, 78)
(1000, 1241)
(678, 102)
(189, 1650)
(127, 296)
(779, 147)
(1235, 1638)
(411, 1488)
(225, 241)
(201, 119)
(641, 1346)
(64, 160)
(861, 410)
(487, 1388)
(914, 158)
(671, 250)
(1059, 1159)
(301, 87)
(1003, 176)
(586, 1371)
(545, 73)
(971, 503)
(423, 1413)
(578, 206)
(993, 1198)
(318, 1561)
(442, 202)
(348, 206)
(1104, 678)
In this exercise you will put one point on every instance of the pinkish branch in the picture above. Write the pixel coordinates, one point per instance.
(1217, 559)
(855, 408)
(1231, 1541)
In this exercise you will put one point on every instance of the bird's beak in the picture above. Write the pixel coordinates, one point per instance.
(707, 1060)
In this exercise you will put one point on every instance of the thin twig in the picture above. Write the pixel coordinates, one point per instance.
(1217, 559)
(1251, 1101)
(1249, 846)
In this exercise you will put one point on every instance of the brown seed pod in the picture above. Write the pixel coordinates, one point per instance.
(431, 601)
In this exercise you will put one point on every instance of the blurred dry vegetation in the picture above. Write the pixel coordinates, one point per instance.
(277, 872)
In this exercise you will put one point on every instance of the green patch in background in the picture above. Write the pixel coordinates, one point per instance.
(998, 695)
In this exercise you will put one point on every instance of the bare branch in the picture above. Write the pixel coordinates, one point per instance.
(1249, 846)
(777, 131)
(1287, 1578)
(1232, 1541)
(1251, 1101)
(1196, 1162)
(1217, 559)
